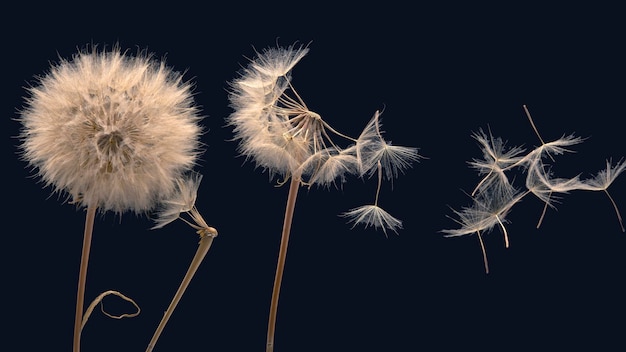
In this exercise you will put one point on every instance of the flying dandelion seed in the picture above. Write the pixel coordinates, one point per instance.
(494, 195)
(488, 210)
(113, 132)
(604, 179)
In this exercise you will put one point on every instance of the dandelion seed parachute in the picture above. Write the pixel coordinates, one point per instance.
(605, 177)
(183, 200)
(494, 196)
(372, 149)
(489, 209)
(603, 180)
(373, 216)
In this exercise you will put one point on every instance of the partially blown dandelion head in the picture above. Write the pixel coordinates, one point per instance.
(111, 130)
(277, 130)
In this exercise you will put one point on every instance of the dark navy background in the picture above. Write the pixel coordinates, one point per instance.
(440, 73)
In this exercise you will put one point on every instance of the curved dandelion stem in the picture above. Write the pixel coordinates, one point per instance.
(506, 234)
(280, 266)
(532, 123)
(482, 248)
(206, 239)
(481, 182)
(99, 299)
(545, 208)
(82, 275)
(619, 217)
(380, 181)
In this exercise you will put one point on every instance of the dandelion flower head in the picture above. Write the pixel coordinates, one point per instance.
(111, 130)
(276, 128)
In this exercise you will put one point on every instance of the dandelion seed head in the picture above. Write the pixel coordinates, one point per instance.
(262, 116)
(111, 130)
(276, 130)
(278, 62)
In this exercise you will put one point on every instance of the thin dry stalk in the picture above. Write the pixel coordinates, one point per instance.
(82, 275)
(482, 248)
(206, 239)
(99, 299)
(619, 217)
(282, 255)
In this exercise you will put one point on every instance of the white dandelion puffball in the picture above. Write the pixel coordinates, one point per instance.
(111, 130)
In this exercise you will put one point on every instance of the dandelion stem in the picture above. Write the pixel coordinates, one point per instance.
(545, 208)
(206, 239)
(506, 235)
(619, 217)
(380, 181)
(482, 248)
(532, 123)
(82, 275)
(280, 266)
(481, 182)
